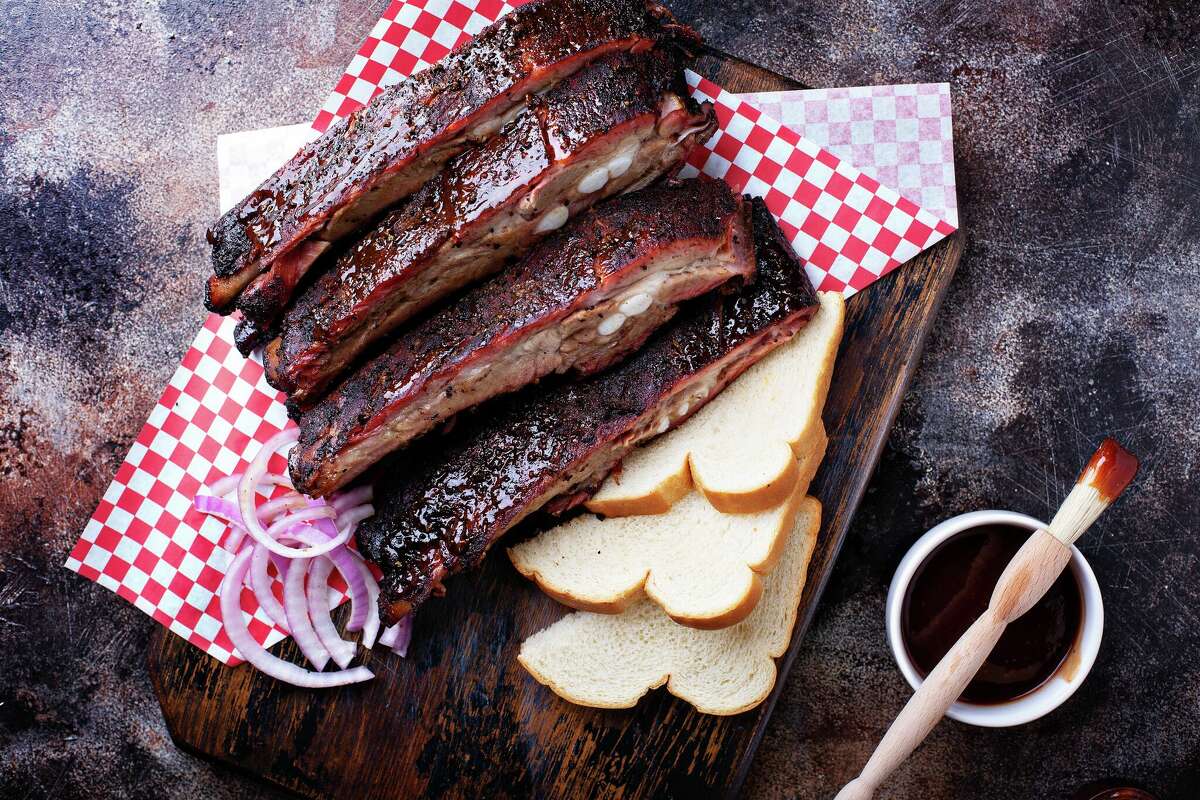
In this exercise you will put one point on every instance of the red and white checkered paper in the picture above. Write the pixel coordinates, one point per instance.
(147, 543)
(902, 135)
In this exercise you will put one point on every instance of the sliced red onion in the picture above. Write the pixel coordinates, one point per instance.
(388, 637)
(255, 654)
(356, 586)
(362, 605)
(352, 516)
(261, 582)
(281, 565)
(324, 527)
(371, 626)
(248, 487)
(281, 505)
(318, 611)
(347, 564)
(225, 511)
(295, 606)
(217, 507)
(224, 486)
(237, 534)
(354, 497)
(398, 636)
(403, 635)
(228, 512)
(320, 547)
(289, 521)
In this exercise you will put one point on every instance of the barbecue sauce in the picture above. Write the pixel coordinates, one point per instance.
(1111, 790)
(952, 588)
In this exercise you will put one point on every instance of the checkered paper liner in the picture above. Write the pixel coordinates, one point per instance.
(848, 227)
(901, 135)
(147, 543)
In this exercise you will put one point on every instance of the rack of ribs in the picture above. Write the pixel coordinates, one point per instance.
(616, 125)
(441, 506)
(384, 151)
(582, 299)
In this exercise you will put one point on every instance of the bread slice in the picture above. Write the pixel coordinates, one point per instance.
(610, 661)
(701, 566)
(741, 449)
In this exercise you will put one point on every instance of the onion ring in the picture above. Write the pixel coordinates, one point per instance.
(247, 489)
(224, 486)
(295, 606)
(254, 653)
(260, 583)
(318, 612)
(289, 521)
(353, 516)
(354, 497)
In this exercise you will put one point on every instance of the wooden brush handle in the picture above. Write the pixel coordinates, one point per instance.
(1028, 576)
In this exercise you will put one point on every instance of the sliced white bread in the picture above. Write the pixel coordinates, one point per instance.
(742, 448)
(702, 566)
(610, 661)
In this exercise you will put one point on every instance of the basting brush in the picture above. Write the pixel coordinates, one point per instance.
(1025, 580)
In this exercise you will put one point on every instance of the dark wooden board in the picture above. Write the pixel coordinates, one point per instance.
(459, 717)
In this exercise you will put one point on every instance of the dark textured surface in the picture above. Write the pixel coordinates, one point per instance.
(1074, 314)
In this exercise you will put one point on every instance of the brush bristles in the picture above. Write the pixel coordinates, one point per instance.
(1110, 469)
(1077, 513)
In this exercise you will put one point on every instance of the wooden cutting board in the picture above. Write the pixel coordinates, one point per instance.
(460, 718)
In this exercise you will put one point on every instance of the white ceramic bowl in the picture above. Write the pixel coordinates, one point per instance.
(1051, 694)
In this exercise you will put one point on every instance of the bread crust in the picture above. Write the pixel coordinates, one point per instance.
(669, 491)
(706, 467)
(678, 677)
(577, 596)
(780, 473)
